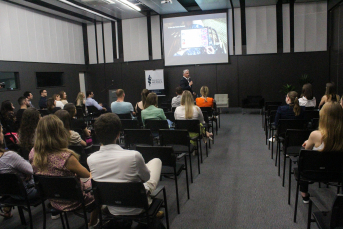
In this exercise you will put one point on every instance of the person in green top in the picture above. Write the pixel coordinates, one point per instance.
(150, 109)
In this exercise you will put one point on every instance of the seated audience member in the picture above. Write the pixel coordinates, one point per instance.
(27, 131)
(91, 102)
(330, 95)
(63, 96)
(176, 101)
(51, 105)
(74, 137)
(50, 156)
(121, 107)
(188, 110)
(29, 96)
(23, 103)
(58, 103)
(140, 105)
(76, 123)
(150, 109)
(290, 111)
(11, 162)
(307, 99)
(8, 118)
(328, 137)
(115, 164)
(43, 99)
(204, 101)
(80, 99)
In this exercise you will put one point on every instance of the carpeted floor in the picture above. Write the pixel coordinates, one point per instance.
(238, 186)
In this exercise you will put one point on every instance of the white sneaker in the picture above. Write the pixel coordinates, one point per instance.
(55, 216)
(272, 139)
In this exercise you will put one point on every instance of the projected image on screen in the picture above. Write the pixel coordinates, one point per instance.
(196, 39)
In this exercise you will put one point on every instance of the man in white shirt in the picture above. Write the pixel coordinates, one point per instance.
(115, 164)
(176, 101)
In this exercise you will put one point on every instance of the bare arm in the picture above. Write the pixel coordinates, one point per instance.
(74, 165)
(322, 101)
(315, 139)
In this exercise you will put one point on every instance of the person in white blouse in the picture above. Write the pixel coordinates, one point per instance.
(307, 99)
(188, 110)
(57, 98)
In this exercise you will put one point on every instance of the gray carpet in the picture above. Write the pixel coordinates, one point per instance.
(238, 186)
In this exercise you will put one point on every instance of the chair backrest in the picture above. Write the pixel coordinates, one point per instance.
(190, 125)
(296, 137)
(337, 212)
(309, 108)
(92, 110)
(319, 166)
(285, 124)
(125, 116)
(170, 116)
(129, 124)
(271, 108)
(126, 194)
(209, 110)
(164, 153)
(166, 105)
(79, 112)
(43, 112)
(173, 109)
(272, 115)
(83, 156)
(174, 137)
(206, 116)
(222, 100)
(311, 114)
(11, 184)
(138, 136)
(315, 123)
(271, 103)
(155, 125)
(59, 188)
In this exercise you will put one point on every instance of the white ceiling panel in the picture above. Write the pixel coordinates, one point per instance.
(167, 8)
(213, 5)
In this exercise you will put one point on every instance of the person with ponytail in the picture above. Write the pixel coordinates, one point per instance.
(328, 137)
(290, 111)
(330, 94)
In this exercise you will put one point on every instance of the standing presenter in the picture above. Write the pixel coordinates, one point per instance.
(186, 82)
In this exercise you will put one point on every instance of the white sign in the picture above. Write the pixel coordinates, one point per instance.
(154, 79)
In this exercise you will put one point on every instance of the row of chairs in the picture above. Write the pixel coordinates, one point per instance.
(312, 166)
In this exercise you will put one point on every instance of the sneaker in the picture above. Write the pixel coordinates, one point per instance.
(272, 139)
(55, 215)
(306, 199)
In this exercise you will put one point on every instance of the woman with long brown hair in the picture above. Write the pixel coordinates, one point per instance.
(27, 130)
(50, 156)
(63, 96)
(330, 94)
(328, 137)
(151, 111)
(306, 98)
(140, 105)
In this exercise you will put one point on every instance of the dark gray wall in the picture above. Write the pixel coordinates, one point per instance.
(245, 75)
(27, 80)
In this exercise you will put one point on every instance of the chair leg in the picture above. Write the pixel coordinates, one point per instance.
(166, 207)
(296, 203)
(100, 215)
(22, 217)
(289, 181)
(44, 215)
(190, 165)
(85, 216)
(309, 215)
(284, 169)
(187, 177)
(177, 193)
(219, 116)
(200, 146)
(67, 222)
(198, 157)
(30, 216)
(278, 173)
(276, 151)
(61, 216)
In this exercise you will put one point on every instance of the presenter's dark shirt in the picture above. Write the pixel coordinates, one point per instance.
(184, 84)
(42, 102)
(286, 112)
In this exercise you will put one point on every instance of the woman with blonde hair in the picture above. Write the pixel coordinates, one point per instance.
(50, 156)
(80, 99)
(63, 96)
(330, 94)
(328, 137)
(290, 111)
(188, 110)
(204, 101)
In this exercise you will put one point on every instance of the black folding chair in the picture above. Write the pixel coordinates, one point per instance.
(317, 166)
(43, 112)
(310, 114)
(155, 125)
(326, 219)
(12, 184)
(315, 123)
(62, 188)
(266, 109)
(170, 116)
(125, 116)
(208, 125)
(93, 112)
(129, 124)
(83, 156)
(192, 126)
(137, 136)
(170, 166)
(180, 141)
(211, 117)
(282, 127)
(129, 195)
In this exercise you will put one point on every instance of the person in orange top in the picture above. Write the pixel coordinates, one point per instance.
(204, 101)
